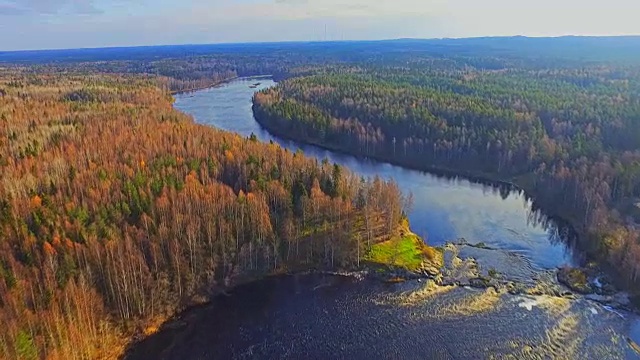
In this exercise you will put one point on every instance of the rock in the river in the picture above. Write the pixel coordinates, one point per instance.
(603, 299)
(479, 282)
(603, 285)
(430, 270)
(480, 245)
(618, 300)
(575, 279)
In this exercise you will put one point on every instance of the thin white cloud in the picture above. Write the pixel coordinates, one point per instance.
(300, 9)
(47, 7)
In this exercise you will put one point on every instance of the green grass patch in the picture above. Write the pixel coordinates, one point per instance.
(406, 251)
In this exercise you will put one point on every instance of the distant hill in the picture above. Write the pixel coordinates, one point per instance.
(580, 48)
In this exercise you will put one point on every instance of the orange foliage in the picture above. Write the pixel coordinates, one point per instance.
(36, 202)
(191, 178)
(48, 249)
(56, 241)
(136, 229)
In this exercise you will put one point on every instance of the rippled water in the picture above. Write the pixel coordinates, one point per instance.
(329, 317)
(332, 317)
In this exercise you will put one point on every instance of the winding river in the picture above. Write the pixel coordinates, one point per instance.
(327, 317)
(444, 209)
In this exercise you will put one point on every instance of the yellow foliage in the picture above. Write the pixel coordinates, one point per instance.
(150, 330)
(228, 155)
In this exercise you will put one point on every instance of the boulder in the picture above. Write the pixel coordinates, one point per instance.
(575, 279)
(603, 285)
(430, 270)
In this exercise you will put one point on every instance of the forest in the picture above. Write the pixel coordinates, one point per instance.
(188, 67)
(116, 211)
(569, 136)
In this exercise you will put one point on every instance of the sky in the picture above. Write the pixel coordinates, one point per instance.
(55, 24)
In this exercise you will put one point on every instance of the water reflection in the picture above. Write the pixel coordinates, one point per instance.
(445, 207)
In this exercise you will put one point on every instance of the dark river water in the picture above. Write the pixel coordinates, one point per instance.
(335, 317)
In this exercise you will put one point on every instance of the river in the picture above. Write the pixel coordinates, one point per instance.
(444, 209)
(322, 317)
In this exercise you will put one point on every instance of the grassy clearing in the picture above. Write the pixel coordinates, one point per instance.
(403, 251)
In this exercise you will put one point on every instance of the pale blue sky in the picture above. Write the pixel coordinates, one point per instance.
(46, 24)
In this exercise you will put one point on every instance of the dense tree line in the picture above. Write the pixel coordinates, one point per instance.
(189, 67)
(116, 210)
(571, 136)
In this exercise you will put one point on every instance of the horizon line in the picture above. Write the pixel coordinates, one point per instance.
(316, 42)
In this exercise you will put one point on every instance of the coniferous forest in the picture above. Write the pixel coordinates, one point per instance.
(117, 211)
(569, 136)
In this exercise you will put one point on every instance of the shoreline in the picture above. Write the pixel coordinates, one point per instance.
(438, 171)
(216, 84)
(219, 83)
(446, 277)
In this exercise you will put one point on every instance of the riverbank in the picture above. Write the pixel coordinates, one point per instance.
(492, 286)
(392, 267)
(209, 86)
(524, 183)
(222, 82)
